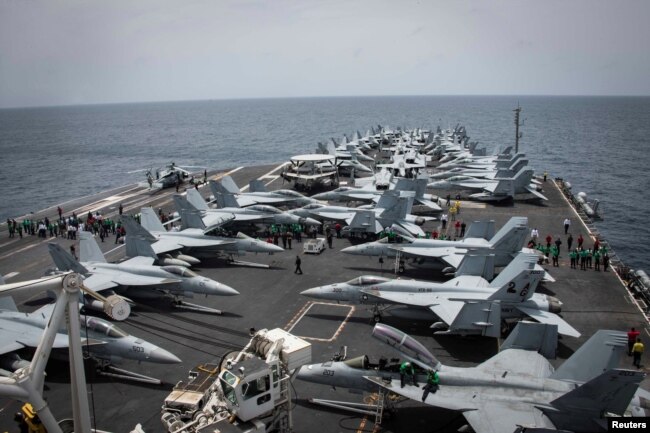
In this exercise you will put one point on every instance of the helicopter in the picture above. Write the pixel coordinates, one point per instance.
(168, 177)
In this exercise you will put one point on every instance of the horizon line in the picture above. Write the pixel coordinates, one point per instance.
(320, 96)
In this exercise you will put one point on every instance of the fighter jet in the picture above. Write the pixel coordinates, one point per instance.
(514, 388)
(369, 193)
(258, 194)
(483, 173)
(103, 340)
(520, 183)
(392, 210)
(463, 305)
(505, 244)
(228, 206)
(192, 242)
(136, 277)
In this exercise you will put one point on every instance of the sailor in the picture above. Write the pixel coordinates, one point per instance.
(632, 335)
(298, 262)
(637, 351)
(432, 384)
(406, 368)
(545, 175)
(572, 255)
(567, 223)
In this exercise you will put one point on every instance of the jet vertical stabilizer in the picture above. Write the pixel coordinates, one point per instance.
(194, 197)
(477, 264)
(512, 235)
(610, 392)
(480, 230)
(515, 284)
(89, 250)
(228, 184)
(256, 185)
(600, 353)
(149, 222)
(64, 260)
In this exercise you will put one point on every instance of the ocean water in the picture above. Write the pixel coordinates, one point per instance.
(600, 144)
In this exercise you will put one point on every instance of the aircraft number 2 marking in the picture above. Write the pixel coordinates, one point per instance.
(328, 372)
(523, 292)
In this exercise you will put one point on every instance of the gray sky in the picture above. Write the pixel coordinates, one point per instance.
(78, 52)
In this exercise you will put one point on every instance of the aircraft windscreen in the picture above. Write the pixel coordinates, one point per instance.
(367, 280)
(179, 270)
(264, 208)
(102, 327)
(289, 192)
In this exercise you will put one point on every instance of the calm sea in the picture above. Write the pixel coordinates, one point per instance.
(599, 144)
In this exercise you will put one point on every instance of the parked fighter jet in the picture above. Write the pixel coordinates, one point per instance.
(392, 210)
(152, 236)
(135, 277)
(228, 205)
(483, 173)
(465, 304)
(512, 389)
(369, 193)
(520, 183)
(104, 341)
(505, 244)
(258, 194)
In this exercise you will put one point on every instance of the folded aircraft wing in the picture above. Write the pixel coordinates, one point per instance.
(107, 280)
(536, 193)
(165, 245)
(99, 282)
(496, 417)
(524, 362)
(546, 317)
(139, 261)
(16, 335)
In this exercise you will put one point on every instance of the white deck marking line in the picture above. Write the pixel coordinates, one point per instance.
(266, 175)
(338, 330)
(10, 275)
(273, 179)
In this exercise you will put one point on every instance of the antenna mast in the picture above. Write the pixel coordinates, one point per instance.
(518, 135)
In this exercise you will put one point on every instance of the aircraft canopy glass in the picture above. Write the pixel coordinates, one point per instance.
(367, 280)
(103, 327)
(265, 208)
(181, 271)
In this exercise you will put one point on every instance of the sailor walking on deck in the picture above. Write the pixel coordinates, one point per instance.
(298, 262)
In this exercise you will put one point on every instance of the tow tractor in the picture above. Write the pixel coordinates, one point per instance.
(247, 392)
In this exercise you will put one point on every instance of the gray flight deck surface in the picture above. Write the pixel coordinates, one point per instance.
(270, 298)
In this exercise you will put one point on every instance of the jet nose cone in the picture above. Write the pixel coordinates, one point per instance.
(223, 290)
(270, 248)
(161, 356)
(305, 373)
(315, 292)
(355, 249)
(312, 222)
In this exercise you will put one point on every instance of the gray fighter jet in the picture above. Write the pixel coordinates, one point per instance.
(496, 189)
(192, 241)
(369, 193)
(228, 206)
(258, 194)
(104, 341)
(392, 210)
(136, 277)
(463, 305)
(505, 245)
(513, 388)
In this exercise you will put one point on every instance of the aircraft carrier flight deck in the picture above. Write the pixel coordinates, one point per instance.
(270, 298)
